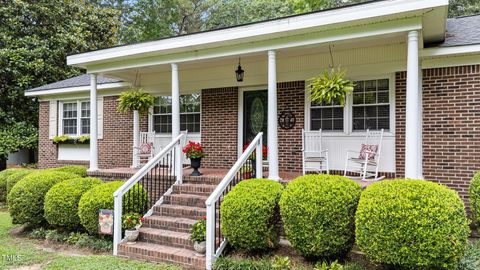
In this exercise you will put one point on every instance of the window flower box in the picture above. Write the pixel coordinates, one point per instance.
(64, 139)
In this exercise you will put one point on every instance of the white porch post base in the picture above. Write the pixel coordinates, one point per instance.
(413, 125)
(272, 118)
(93, 166)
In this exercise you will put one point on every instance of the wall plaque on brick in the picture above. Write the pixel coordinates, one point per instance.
(287, 120)
(105, 221)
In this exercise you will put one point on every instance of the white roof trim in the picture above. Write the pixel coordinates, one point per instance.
(257, 31)
(449, 51)
(76, 89)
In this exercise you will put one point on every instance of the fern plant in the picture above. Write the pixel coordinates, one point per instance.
(330, 86)
(135, 99)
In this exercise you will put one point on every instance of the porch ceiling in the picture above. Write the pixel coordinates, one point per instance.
(367, 20)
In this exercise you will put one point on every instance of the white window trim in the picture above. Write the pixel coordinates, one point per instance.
(79, 117)
(151, 126)
(348, 111)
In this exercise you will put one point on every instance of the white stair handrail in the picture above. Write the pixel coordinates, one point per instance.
(211, 253)
(118, 194)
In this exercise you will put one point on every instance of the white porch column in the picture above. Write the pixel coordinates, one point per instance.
(420, 124)
(176, 120)
(93, 124)
(136, 140)
(272, 118)
(413, 129)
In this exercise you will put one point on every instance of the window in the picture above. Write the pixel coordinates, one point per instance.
(75, 118)
(326, 116)
(371, 107)
(189, 113)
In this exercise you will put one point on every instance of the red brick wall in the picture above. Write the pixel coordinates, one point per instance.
(219, 126)
(114, 150)
(451, 125)
(291, 96)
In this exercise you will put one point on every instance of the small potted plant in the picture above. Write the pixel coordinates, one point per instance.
(131, 223)
(194, 151)
(198, 234)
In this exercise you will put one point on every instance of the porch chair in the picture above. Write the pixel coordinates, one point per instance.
(314, 157)
(364, 163)
(146, 147)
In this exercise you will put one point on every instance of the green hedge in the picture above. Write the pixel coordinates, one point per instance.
(474, 195)
(3, 182)
(25, 200)
(101, 197)
(13, 178)
(318, 213)
(75, 169)
(249, 215)
(412, 224)
(61, 201)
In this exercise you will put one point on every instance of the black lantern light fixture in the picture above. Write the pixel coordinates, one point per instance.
(239, 72)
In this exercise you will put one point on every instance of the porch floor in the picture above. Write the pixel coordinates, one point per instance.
(123, 173)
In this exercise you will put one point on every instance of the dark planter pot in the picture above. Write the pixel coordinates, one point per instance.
(195, 163)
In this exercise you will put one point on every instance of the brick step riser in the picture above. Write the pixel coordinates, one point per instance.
(192, 190)
(182, 213)
(195, 202)
(151, 256)
(171, 226)
(166, 240)
(200, 180)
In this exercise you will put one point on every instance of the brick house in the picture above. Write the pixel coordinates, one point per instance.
(417, 75)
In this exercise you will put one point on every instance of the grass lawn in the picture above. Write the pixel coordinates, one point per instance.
(26, 253)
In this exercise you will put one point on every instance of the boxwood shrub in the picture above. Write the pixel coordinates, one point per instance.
(75, 169)
(474, 195)
(25, 200)
(3, 182)
(249, 215)
(101, 197)
(61, 201)
(13, 178)
(412, 224)
(318, 214)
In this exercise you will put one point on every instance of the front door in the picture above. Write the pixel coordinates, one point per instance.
(255, 115)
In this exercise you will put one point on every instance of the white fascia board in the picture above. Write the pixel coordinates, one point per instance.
(76, 89)
(338, 35)
(257, 30)
(450, 51)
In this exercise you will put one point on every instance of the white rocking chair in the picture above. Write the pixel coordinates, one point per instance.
(314, 157)
(146, 148)
(364, 163)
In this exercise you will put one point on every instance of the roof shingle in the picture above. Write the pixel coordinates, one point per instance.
(82, 80)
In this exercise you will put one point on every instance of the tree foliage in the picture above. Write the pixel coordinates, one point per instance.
(35, 39)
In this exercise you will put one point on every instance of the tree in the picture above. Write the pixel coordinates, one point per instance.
(463, 7)
(35, 39)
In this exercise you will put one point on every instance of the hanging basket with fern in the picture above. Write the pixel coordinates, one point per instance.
(330, 86)
(135, 99)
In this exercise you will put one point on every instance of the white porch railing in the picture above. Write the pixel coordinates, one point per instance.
(215, 242)
(156, 178)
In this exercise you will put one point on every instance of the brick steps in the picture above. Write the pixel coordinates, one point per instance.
(199, 189)
(179, 211)
(169, 223)
(186, 199)
(165, 235)
(160, 253)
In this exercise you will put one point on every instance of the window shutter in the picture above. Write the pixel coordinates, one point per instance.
(52, 120)
(100, 117)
